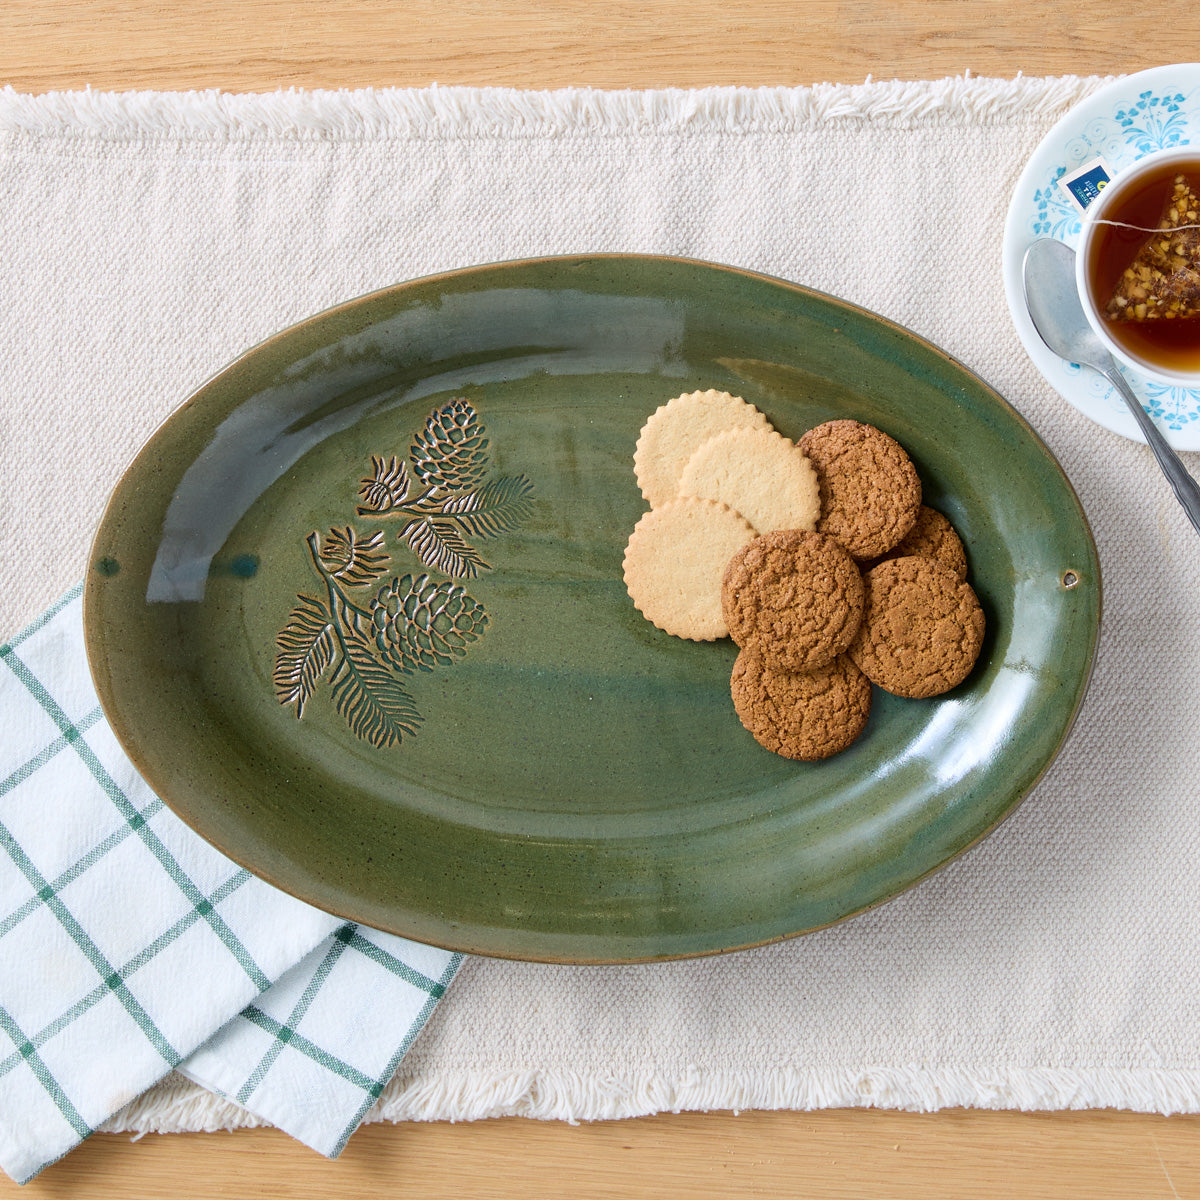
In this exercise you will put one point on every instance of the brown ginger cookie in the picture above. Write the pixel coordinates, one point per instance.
(806, 715)
(795, 595)
(870, 491)
(922, 628)
(932, 536)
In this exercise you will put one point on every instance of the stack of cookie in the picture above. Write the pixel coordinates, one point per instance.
(817, 557)
(794, 602)
(716, 474)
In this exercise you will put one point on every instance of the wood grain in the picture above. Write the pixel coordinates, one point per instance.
(260, 45)
(263, 44)
(862, 1155)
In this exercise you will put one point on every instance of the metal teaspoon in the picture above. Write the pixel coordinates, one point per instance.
(1048, 275)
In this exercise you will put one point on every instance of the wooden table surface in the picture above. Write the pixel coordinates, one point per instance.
(260, 45)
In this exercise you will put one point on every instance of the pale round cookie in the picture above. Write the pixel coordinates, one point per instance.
(675, 560)
(677, 429)
(870, 491)
(797, 596)
(806, 715)
(759, 473)
(922, 628)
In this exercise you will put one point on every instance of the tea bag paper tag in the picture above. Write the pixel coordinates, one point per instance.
(1084, 184)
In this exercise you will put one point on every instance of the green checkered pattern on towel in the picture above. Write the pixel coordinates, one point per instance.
(127, 942)
(328, 1036)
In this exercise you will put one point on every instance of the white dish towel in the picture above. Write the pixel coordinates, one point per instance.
(148, 239)
(129, 946)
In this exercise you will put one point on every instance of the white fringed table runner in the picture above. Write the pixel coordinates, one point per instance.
(147, 239)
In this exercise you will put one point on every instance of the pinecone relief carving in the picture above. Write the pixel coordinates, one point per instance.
(369, 629)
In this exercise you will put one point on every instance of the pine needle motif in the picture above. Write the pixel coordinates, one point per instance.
(306, 647)
(411, 622)
(388, 487)
(351, 561)
(454, 499)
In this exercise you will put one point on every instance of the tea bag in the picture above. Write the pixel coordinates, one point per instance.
(1163, 281)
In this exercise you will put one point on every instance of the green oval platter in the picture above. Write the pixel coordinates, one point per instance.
(356, 612)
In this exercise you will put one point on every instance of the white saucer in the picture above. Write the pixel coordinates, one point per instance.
(1151, 110)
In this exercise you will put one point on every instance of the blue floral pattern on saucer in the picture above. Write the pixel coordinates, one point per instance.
(1173, 407)
(1155, 122)
(1153, 110)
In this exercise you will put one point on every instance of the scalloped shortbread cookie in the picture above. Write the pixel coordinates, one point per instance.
(674, 563)
(677, 429)
(759, 473)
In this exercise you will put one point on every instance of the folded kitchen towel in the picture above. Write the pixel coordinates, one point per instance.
(129, 946)
(313, 1053)
(149, 238)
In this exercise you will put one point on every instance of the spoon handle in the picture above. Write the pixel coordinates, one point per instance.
(1186, 490)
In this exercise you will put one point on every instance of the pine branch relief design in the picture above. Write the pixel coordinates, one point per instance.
(442, 495)
(370, 629)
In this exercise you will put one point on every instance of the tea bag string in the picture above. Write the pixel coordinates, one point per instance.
(1145, 228)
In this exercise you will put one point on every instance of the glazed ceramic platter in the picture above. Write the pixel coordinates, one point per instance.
(356, 612)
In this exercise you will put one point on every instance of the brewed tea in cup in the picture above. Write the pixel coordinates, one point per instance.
(1138, 266)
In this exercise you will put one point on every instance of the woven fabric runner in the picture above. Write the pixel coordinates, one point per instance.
(147, 239)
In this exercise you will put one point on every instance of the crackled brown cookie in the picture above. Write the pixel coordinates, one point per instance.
(932, 536)
(922, 628)
(806, 715)
(674, 563)
(870, 492)
(796, 595)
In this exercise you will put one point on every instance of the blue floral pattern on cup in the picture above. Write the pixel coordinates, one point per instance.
(1152, 121)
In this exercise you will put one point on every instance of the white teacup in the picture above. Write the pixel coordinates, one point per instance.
(1137, 344)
